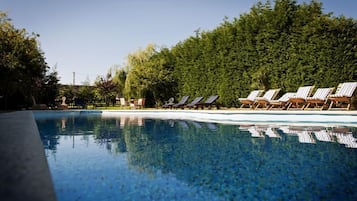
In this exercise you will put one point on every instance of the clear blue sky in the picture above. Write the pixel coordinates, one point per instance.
(89, 36)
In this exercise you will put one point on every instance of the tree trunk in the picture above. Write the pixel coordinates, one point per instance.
(33, 100)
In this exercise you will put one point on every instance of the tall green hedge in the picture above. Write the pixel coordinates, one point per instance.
(276, 45)
(285, 45)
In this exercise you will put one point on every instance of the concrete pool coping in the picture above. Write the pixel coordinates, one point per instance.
(24, 172)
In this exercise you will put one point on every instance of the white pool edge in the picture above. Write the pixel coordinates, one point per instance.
(348, 118)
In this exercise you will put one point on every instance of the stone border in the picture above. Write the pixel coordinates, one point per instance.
(24, 172)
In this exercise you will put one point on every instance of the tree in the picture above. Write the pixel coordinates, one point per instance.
(85, 94)
(67, 91)
(151, 75)
(22, 66)
(49, 89)
(137, 80)
(106, 88)
(119, 80)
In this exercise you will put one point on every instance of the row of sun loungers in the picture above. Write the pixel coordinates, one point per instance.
(195, 104)
(302, 99)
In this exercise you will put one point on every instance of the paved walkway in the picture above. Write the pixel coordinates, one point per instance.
(24, 173)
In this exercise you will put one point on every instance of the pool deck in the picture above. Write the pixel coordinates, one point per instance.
(247, 116)
(24, 172)
(233, 116)
(236, 111)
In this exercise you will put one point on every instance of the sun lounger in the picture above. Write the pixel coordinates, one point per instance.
(268, 96)
(250, 100)
(282, 102)
(123, 102)
(319, 99)
(140, 103)
(299, 99)
(194, 103)
(181, 103)
(169, 103)
(209, 102)
(343, 95)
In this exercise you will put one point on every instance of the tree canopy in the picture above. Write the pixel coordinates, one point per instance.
(150, 75)
(24, 74)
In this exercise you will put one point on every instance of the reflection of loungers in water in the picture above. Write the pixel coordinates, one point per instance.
(345, 136)
(140, 121)
(171, 123)
(272, 132)
(323, 135)
(132, 120)
(255, 132)
(262, 131)
(196, 124)
(304, 135)
(252, 129)
(183, 124)
(211, 126)
(122, 122)
(63, 122)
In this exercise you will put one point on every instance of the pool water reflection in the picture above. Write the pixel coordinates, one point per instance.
(132, 158)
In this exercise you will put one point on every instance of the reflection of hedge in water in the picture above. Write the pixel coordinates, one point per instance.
(48, 132)
(230, 160)
(51, 129)
(223, 158)
(106, 129)
(148, 146)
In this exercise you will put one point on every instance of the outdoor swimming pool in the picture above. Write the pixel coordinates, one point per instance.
(133, 157)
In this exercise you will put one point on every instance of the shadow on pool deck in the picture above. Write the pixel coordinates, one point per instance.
(24, 172)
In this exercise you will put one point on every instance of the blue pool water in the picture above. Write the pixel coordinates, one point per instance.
(133, 158)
